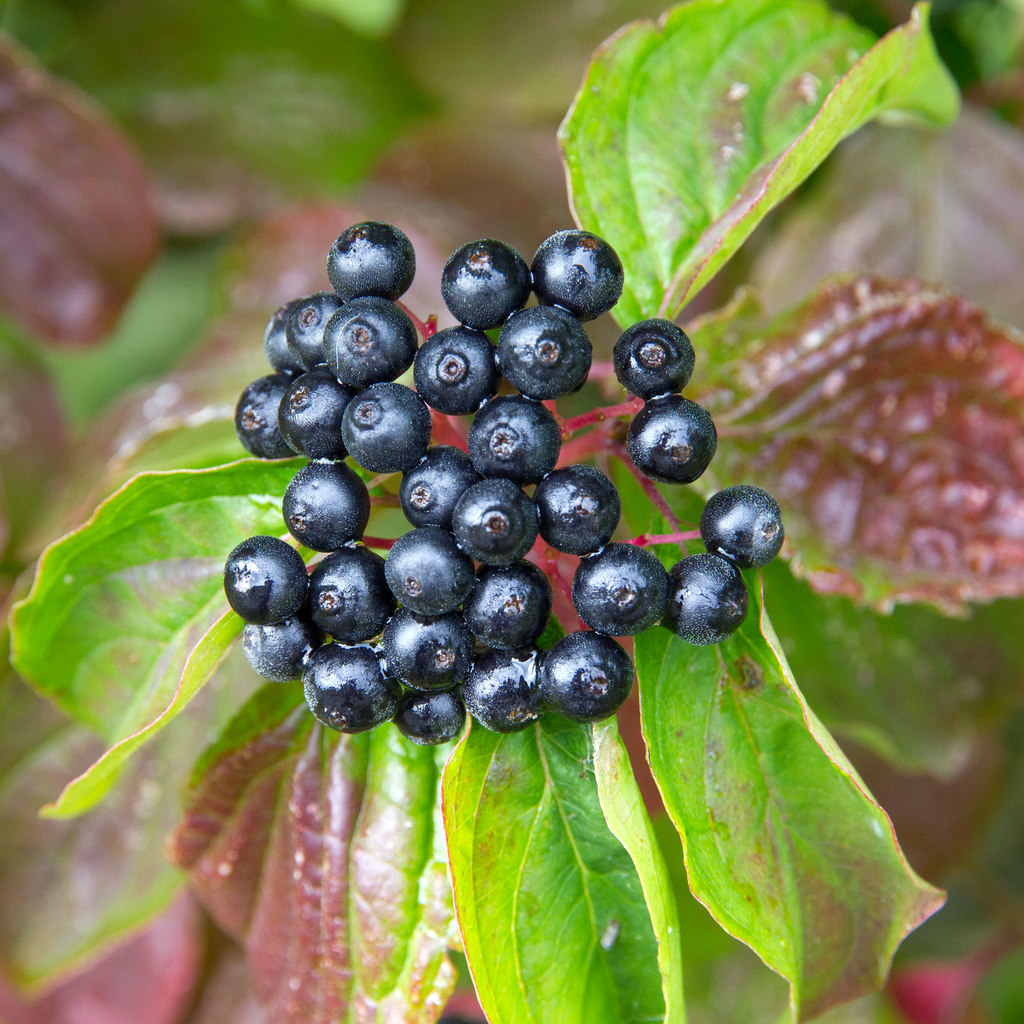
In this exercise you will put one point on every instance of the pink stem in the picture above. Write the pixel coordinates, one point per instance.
(385, 500)
(547, 560)
(648, 539)
(656, 497)
(382, 543)
(599, 415)
(426, 327)
(581, 447)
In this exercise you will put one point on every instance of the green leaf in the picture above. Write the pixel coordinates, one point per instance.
(368, 17)
(118, 605)
(686, 133)
(784, 844)
(551, 908)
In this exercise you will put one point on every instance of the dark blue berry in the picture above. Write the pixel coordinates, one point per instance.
(509, 605)
(431, 489)
(455, 371)
(744, 524)
(279, 651)
(501, 692)
(431, 718)
(672, 440)
(386, 428)
(349, 598)
(326, 505)
(652, 358)
(579, 271)
(544, 352)
(579, 509)
(495, 522)
(265, 580)
(707, 599)
(371, 258)
(346, 689)
(427, 572)
(514, 437)
(483, 282)
(309, 416)
(305, 326)
(585, 677)
(275, 342)
(369, 340)
(427, 653)
(256, 417)
(621, 590)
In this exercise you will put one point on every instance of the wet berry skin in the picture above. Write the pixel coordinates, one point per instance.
(578, 271)
(652, 358)
(309, 416)
(672, 440)
(304, 328)
(620, 591)
(367, 341)
(495, 522)
(371, 258)
(455, 371)
(579, 509)
(509, 605)
(743, 524)
(265, 580)
(326, 505)
(483, 282)
(707, 599)
(278, 652)
(431, 489)
(386, 428)
(349, 598)
(585, 677)
(427, 653)
(431, 718)
(516, 438)
(427, 572)
(346, 689)
(501, 692)
(256, 417)
(275, 342)
(544, 352)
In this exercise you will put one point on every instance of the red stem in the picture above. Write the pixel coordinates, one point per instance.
(382, 543)
(426, 327)
(656, 497)
(599, 415)
(648, 539)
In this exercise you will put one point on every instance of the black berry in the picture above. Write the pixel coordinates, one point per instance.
(544, 352)
(652, 358)
(346, 689)
(432, 487)
(256, 417)
(427, 572)
(371, 258)
(579, 509)
(744, 524)
(275, 342)
(509, 605)
(707, 599)
(369, 340)
(279, 651)
(427, 653)
(483, 282)
(514, 437)
(431, 718)
(621, 590)
(386, 428)
(326, 505)
(265, 580)
(309, 416)
(501, 692)
(585, 677)
(672, 439)
(305, 325)
(349, 598)
(455, 371)
(495, 522)
(579, 271)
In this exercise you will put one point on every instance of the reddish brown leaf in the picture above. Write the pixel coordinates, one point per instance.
(888, 418)
(77, 224)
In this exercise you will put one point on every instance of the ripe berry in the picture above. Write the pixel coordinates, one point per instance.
(275, 342)
(432, 487)
(326, 505)
(369, 340)
(501, 692)
(483, 282)
(371, 258)
(585, 677)
(455, 371)
(672, 439)
(305, 325)
(544, 352)
(579, 509)
(621, 590)
(427, 572)
(431, 718)
(579, 271)
(509, 605)
(279, 651)
(514, 437)
(652, 358)
(265, 580)
(707, 599)
(495, 522)
(256, 417)
(309, 416)
(744, 524)
(349, 598)
(427, 653)
(386, 428)
(346, 689)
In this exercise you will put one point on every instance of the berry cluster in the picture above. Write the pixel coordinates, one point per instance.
(450, 620)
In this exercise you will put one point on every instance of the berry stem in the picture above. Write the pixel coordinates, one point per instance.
(649, 539)
(386, 500)
(656, 497)
(599, 415)
(426, 327)
(381, 543)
